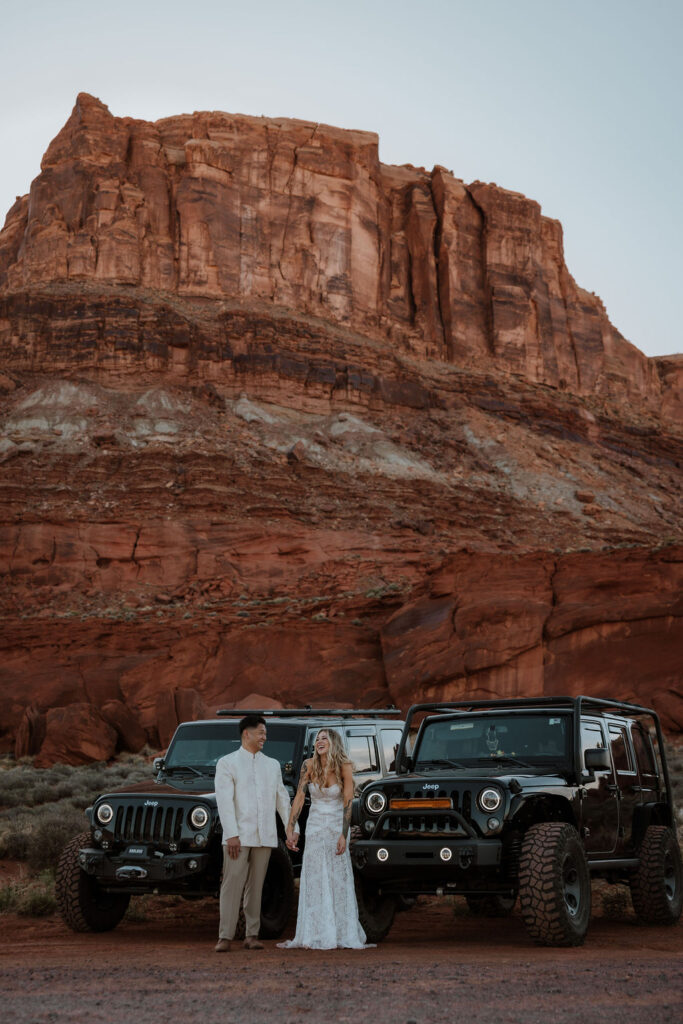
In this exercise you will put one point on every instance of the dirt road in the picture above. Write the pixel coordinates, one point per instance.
(435, 967)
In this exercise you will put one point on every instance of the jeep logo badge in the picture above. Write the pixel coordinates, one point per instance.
(431, 785)
(151, 803)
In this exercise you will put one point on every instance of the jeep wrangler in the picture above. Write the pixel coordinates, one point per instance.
(507, 800)
(164, 836)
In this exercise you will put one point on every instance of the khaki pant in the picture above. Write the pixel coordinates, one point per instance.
(245, 874)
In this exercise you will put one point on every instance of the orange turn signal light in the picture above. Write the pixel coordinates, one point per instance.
(437, 804)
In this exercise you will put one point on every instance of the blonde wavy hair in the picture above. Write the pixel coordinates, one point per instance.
(336, 758)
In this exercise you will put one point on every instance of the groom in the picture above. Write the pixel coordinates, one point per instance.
(249, 788)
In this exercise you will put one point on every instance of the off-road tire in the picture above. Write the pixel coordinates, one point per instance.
(277, 902)
(657, 883)
(554, 885)
(82, 904)
(491, 906)
(375, 911)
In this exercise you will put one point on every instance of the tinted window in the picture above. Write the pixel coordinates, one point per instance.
(533, 738)
(363, 753)
(591, 736)
(644, 752)
(390, 741)
(620, 751)
(205, 744)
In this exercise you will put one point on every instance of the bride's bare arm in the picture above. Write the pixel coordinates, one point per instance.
(347, 798)
(347, 802)
(298, 802)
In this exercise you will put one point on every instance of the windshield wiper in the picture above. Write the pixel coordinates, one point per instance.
(512, 760)
(440, 760)
(169, 769)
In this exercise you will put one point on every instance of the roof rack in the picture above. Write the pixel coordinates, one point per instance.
(530, 702)
(308, 711)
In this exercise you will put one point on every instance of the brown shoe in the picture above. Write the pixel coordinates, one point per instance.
(251, 942)
(222, 946)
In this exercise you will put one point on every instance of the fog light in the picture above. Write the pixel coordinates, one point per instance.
(173, 847)
(368, 826)
(200, 840)
(382, 855)
(445, 853)
(97, 834)
(493, 824)
(192, 865)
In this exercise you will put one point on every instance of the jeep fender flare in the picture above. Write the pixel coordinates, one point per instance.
(540, 807)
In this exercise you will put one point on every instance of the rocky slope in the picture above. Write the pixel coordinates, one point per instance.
(280, 421)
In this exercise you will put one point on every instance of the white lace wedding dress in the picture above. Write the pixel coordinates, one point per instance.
(328, 912)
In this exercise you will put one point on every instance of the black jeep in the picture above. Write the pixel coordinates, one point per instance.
(525, 799)
(164, 836)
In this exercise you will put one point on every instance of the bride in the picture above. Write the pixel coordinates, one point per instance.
(328, 912)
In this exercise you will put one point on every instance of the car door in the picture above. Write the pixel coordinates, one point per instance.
(646, 762)
(628, 783)
(600, 800)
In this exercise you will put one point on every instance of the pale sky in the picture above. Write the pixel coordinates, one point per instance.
(575, 103)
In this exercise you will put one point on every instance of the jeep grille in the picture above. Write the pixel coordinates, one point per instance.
(405, 822)
(138, 824)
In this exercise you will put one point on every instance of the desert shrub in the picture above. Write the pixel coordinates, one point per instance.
(42, 809)
(51, 833)
(9, 895)
(34, 897)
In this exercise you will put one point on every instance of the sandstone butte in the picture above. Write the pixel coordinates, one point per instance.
(283, 424)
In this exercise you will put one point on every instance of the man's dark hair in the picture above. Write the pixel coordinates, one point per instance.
(250, 722)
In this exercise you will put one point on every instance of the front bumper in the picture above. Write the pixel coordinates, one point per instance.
(445, 858)
(119, 869)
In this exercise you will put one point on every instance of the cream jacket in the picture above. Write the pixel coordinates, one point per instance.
(249, 790)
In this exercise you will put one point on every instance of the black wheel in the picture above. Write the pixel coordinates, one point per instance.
(554, 885)
(278, 894)
(375, 911)
(491, 906)
(657, 884)
(82, 904)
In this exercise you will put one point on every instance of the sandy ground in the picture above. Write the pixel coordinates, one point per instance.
(435, 966)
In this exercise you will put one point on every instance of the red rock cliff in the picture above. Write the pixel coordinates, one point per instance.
(280, 422)
(304, 216)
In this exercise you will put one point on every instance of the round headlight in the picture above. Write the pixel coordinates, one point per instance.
(489, 800)
(376, 802)
(199, 816)
(104, 814)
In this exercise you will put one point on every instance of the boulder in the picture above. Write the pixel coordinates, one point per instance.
(76, 734)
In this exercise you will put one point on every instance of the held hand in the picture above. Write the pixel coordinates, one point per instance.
(234, 847)
(292, 838)
(341, 845)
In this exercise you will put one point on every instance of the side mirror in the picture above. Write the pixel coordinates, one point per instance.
(597, 759)
(158, 764)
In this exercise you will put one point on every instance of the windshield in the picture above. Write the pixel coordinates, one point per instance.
(201, 746)
(523, 739)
